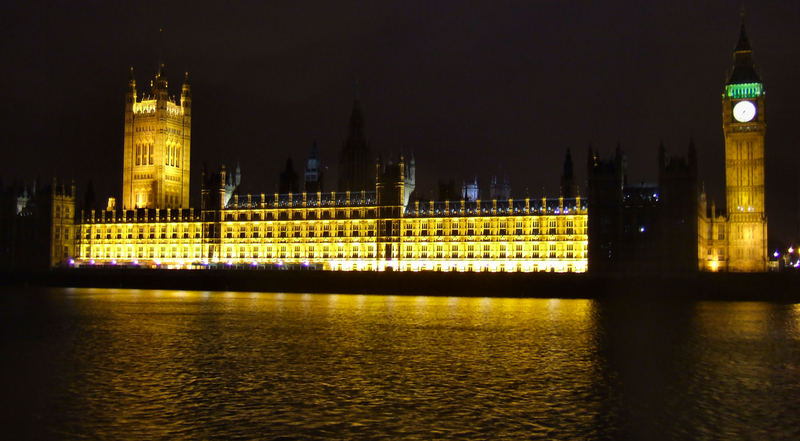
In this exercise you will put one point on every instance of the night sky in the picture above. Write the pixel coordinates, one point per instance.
(472, 88)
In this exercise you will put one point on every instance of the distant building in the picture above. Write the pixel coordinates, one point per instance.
(470, 190)
(636, 228)
(312, 177)
(500, 190)
(38, 226)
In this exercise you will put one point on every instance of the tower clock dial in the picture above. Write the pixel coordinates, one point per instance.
(744, 111)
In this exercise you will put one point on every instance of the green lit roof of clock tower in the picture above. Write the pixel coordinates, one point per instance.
(743, 79)
(744, 71)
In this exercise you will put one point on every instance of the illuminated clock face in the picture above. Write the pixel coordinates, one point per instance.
(744, 111)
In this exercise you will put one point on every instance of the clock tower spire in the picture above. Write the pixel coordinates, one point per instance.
(744, 126)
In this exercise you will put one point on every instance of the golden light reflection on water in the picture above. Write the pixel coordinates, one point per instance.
(185, 364)
(334, 362)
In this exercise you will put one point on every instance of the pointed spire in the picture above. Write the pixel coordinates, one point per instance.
(568, 188)
(568, 172)
(159, 83)
(132, 84)
(744, 43)
(356, 119)
(743, 71)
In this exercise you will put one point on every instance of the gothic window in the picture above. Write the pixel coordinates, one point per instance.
(138, 154)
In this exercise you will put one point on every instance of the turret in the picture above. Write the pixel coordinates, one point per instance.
(223, 200)
(130, 96)
(410, 172)
(159, 88)
(186, 96)
(128, 200)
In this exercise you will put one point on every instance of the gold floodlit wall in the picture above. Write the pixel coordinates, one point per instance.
(346, 235)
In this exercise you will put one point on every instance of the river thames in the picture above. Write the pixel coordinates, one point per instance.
(146, 364)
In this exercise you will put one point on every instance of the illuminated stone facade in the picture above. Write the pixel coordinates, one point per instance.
(740, 243)
(373, 228)
(367, 230)
(157, 146)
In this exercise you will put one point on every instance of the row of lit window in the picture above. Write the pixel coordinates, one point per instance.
(501, 251)
(164, 231)
(300, 214)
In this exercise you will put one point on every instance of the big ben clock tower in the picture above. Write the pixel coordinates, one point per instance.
(744, 126)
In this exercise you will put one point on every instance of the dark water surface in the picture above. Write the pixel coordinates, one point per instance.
(136, 364)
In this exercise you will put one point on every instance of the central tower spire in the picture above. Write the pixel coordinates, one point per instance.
(355, 164)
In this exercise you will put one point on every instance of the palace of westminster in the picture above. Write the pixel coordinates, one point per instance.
(374, 221)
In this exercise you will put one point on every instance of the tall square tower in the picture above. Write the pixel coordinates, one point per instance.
(744, 125)
(157, 148)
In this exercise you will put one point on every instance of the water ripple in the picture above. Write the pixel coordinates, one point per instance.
(149, 365)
